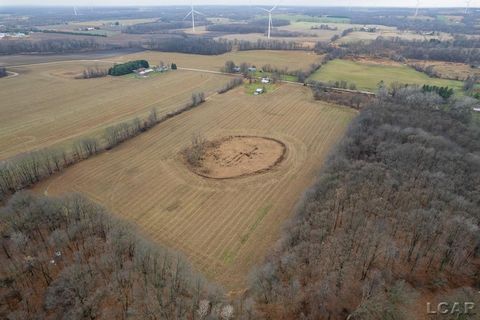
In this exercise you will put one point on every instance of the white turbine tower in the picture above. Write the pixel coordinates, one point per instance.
(192, 13)
(270, 23)
(416, 9)
(467, 7)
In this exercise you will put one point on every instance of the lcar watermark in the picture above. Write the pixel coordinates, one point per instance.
(452, 308)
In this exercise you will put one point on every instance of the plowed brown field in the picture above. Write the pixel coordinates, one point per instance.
(44, 105)
(224, 227)
(291, 60)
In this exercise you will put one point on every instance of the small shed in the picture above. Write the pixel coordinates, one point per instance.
(146, 71)
(258, 91)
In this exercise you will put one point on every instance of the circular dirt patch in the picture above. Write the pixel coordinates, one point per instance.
(239, 156)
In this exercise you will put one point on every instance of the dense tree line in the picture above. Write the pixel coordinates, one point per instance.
(76, 33)
(68, 258)
(255, 26)
(91, 73)
(355, 100)
(470, 83)
(428, 70)
(173, 43)
(127, 67)
(260, 44)
(159, 26)
(444, 92)
(398, 49)
(48, 46)
(276, 22)
(395, 209)
(328, 91)
(338, 84)
(235, 82)
(237, 28)
(467, 26)
(191, 45)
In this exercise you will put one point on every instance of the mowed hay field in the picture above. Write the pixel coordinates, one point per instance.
(293, 60)
(45, 105)
(367, 75)
(224, 227)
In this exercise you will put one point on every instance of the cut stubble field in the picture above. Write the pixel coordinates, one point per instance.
(292, 60)
(45, 106)
(224, 227)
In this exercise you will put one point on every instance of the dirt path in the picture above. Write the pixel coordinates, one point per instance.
(11, 74)
(284, 81)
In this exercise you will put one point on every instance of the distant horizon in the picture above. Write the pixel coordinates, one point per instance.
(426, 4)
(222, 5)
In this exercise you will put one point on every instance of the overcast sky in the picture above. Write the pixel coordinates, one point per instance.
(385, 3)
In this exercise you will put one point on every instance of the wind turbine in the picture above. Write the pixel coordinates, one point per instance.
(467, 7)
(416, 9)
(192, 13)
(270, 23)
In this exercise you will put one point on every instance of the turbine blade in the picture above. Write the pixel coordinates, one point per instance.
(197, 12)
(187, 15)
(275, 6)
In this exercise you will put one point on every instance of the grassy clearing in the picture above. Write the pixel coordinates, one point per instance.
(267, 87)
(367, 76)
(285, 77)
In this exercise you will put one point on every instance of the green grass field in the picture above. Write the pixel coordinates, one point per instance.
(366, 76)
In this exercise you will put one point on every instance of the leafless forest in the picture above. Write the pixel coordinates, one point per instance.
(394, 212)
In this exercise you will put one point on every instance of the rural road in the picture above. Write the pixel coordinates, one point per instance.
(184, 69)
(205, 71)
(284, 81)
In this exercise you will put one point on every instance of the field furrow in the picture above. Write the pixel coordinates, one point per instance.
(223, 226)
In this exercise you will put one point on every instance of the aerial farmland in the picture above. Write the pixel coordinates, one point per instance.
(224, 226)
(239, 161)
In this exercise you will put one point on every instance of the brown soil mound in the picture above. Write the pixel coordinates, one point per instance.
(239, 156)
